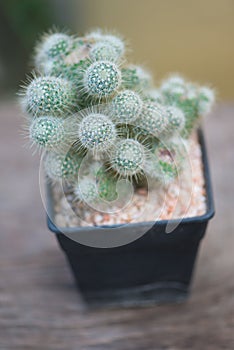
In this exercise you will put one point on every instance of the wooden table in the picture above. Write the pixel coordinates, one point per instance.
(39, 304)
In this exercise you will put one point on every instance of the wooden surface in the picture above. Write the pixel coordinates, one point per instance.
(39, 304)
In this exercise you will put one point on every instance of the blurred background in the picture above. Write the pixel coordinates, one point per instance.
(194, 38)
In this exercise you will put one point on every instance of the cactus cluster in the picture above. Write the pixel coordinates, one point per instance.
(84, 98)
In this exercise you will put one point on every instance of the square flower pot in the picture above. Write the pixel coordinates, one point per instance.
(155, 268)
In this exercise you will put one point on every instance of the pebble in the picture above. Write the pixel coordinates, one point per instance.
(142, 191)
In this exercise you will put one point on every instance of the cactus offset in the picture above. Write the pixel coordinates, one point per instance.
(175, 120)
(136, 77)
(51, 46)
(49, 96)
(96, 132)
(128, 157)
(102, 79)
(62, 166)
(153, 119)
(47, 132)
(114, 41)
(206, 98)
(86, 190)
(126, 106)
(104, 51)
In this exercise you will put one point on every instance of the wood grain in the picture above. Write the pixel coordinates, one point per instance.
(39, 304)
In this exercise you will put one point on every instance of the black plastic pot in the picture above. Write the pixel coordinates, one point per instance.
(155, 268)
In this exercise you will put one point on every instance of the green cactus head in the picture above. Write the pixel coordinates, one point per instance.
(47, 132)
(153, 120)
(126, 106)
(206, 98)
(102, 79)
(114, 41)
(66, 65)
(104, 51)
(57, 44)
(136, 77)
(175, 120)
(174, 90)
(62, 167)
(152, 95)
(128, 157)
(177, 92)
(86, 190)
(94, 35)
(174, 85)
(49, 96)
(96, 132)
(52, 46)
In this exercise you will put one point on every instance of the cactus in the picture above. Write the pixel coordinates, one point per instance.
(51, 46)
(86, 190)
(137, 129)
(175, 120)
(192, 100)
(47, 132)
(104, 51)
(66, 65)
(173, 84)
(62, 166)
(136, 77)
(102, 79)
(126, 106)
(49, 96)
(114, 41)
(96, 132)
(153, 119)
(206, 98)
(152, 95)
(128, 157)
